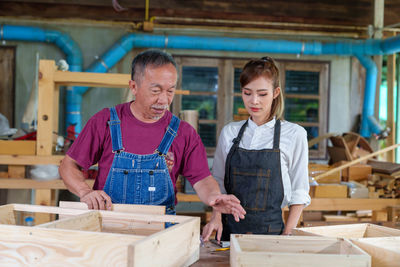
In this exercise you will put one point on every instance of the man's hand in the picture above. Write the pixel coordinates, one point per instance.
(97, 200)
(228, 204)
(214, 224)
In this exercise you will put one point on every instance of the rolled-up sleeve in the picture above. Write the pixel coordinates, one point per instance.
(298, 170)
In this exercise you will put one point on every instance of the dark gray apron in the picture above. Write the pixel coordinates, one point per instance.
(254, 177)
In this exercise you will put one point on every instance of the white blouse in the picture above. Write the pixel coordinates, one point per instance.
(294, 155)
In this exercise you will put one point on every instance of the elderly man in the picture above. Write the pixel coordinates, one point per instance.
(141, 148)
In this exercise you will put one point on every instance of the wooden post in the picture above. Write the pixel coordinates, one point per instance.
(46, 124)
(391, 79)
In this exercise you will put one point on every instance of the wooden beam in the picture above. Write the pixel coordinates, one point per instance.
(15, 147)
(105, 214)
(30, 160)
(46, 116)
(35, 184)
(7, 215)
(391, 85)
(360, 230)
(333, 204)
(89, 221)
(110, 80)
(44, 197)
(128, 208)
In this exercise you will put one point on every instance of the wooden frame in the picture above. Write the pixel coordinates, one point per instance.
(77, 241)
(263, 250)
(361, 230)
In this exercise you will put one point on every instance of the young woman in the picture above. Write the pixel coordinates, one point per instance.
(263, 161)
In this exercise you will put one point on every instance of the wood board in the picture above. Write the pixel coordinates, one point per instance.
(360, 230)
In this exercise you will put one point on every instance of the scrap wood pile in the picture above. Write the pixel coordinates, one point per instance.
(352, 163)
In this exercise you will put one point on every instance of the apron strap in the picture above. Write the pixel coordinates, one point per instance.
(115, 131)
(169, 136)
(277, 134)
(236, 140)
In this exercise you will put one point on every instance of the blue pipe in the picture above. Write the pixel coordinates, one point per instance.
(361, 49)
(70, 49)
(369, 95)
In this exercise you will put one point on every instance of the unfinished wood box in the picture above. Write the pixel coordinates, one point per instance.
(80, 240)
(382, 243)
(359, 230)
(263, 250)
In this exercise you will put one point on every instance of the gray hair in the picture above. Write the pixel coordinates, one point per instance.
(152, 57)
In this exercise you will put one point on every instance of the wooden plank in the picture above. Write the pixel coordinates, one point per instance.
(111, 80)
(262, 250)
(345, 204)
(116, 226)
(182, 242)
(187, 197)
(390, 122)
(34, 246)
(349, 231)
(35, 184)
(89, 221)
(124, 219)
(7, 215)
(43, 197)
(16, 147)
(30, 160)
(145, 209)
(384, 251)
(46, 116)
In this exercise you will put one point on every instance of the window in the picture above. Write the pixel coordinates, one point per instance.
(216, 94)
(306, 88)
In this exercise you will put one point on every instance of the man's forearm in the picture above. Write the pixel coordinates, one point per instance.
(73, 177)
(207, 189)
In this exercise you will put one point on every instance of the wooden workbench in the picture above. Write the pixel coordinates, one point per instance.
(210, 257)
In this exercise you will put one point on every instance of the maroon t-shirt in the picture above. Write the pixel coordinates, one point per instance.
(93, 145)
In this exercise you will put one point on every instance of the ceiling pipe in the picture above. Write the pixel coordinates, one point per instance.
(360, 49)
(69, 47)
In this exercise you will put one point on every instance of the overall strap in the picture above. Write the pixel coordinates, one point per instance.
(277, 134)
(169, 136)
(115, 131)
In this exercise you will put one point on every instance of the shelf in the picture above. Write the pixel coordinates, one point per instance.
(20, 183)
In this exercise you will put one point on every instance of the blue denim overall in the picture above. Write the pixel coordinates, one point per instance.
(140, 179)
(254, 177)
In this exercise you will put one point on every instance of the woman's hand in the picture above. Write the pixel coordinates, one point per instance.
(214, 224)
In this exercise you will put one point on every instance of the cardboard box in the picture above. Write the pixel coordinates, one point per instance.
(328, 191)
